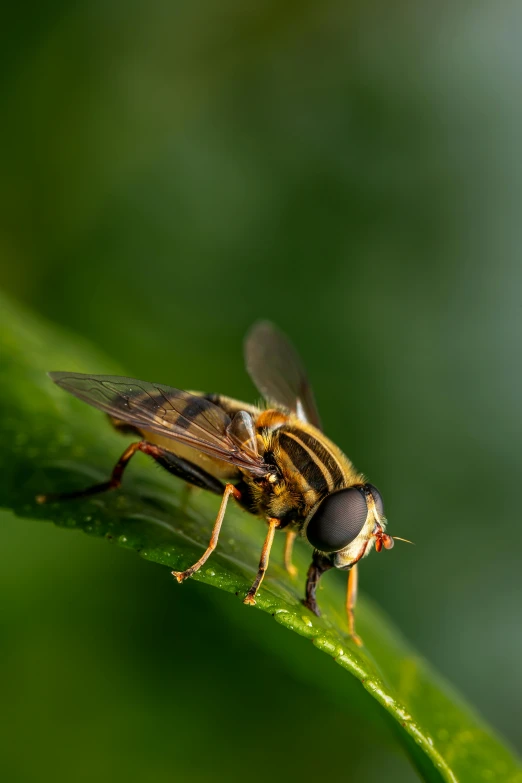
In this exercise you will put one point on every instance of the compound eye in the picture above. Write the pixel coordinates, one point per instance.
(338, 520)
(379, 505)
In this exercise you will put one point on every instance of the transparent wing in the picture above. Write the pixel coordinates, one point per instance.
(175, 414)
(277, 371)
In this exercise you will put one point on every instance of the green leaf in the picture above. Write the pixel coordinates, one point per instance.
(53, 442)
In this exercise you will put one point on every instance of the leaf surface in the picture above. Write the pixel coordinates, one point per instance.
(53, 442)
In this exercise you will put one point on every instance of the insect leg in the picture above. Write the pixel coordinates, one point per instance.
(250, 597)
(320, 563)
(351, 598)
(289, 545)
(113, 483)
(230, 489)
(175, 465)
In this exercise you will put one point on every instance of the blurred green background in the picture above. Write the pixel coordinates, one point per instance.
(171, 172)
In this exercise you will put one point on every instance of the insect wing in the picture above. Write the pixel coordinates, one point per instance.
(241, 430)
(278, 373)
(176, 414)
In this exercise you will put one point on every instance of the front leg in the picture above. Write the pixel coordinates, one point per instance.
(351, 599)
(320, 563)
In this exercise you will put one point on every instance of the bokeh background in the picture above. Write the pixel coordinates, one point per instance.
(171, 171)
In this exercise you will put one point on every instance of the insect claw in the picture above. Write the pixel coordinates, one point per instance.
(356, 639)
(249, 600)
(179, 576)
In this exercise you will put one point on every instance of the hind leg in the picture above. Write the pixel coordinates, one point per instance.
(175, 465)
(105, 486)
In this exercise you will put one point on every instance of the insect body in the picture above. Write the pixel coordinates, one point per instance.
(276, 462)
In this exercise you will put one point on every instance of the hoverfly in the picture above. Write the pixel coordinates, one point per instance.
(276, 462)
